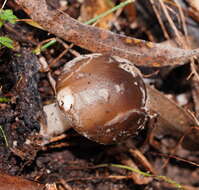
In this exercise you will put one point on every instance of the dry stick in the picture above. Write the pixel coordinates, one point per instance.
(183, 21)
(176, 32)
(140, 158)
(94, 39)
(166, 155)
(180, 141)
(166, 35)
(61, 55)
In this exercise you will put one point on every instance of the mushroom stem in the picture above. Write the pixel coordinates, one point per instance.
(56, 122)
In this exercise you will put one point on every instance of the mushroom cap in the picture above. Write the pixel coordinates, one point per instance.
(103, 97)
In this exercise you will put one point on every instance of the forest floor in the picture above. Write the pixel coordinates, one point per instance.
(70, 160)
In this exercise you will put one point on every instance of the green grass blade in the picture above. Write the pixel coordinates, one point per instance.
(123, 4)
(3, 135)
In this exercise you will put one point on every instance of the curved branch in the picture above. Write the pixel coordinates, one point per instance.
(138, 51)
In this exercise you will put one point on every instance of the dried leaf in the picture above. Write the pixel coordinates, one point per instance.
(130, 11)
(92, 8)
(18, 183)
(172, 119)
(194, 4)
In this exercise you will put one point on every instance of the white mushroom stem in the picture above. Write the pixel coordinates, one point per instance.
(56, 122)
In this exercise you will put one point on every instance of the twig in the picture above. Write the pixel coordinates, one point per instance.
(94, 39)
(4, 3)
(166, 35)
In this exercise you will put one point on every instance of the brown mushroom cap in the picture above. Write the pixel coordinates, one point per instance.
(103, 101)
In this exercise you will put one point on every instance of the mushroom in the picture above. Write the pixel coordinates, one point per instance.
(102, 97)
